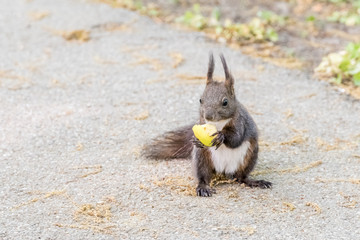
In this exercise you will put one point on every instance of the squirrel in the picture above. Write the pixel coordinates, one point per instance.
(234, 150)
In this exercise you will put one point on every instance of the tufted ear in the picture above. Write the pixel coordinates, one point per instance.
(210, 69)
(229, 80)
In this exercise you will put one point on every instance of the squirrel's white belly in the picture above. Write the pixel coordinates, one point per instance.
(228, 160)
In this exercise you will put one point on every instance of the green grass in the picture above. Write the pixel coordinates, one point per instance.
(350, 16)
(342, 66)
(135, 5)
(260, 29)
(194, 19)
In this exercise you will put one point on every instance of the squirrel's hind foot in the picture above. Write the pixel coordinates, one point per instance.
(256, 183)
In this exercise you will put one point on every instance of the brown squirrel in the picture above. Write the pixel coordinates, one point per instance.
(235, 147)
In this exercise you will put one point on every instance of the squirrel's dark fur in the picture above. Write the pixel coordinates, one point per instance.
(173, 144)
(235, 148)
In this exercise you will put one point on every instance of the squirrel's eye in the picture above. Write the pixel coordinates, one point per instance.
(200, 100)
(225, 102)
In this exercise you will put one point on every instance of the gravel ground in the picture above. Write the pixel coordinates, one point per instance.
(74, 116)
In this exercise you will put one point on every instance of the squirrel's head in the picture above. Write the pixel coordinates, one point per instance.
(218, 101)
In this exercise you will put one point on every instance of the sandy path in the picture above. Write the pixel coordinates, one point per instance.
(74, 115)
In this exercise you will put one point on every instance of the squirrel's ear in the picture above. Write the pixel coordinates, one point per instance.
(210, 69)
(229, 80)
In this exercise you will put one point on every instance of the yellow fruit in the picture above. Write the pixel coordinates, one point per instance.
(204, 132)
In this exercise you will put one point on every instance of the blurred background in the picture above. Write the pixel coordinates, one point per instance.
(317, 36)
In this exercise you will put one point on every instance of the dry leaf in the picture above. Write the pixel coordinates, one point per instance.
(220, 179)
(97, 169)
(76, 35)
(338, 144)
(177, 59)
(105, 229)
(190, 77)
(79, 147)
(290, 206)
(324, 145)
(142, 116)
(154, 63)
(45, 196)
(315, 206)
(96, 217)
(111, 27)
(92, 173)
(289, 114)
(7, 75)
(193, 79)
(350, 180)
(294, 141)
(249, 230)
(232, 193)
(90, 213)
(178, 184)
(101, 60)
(349, 201)
(139, 48)
(38, 15)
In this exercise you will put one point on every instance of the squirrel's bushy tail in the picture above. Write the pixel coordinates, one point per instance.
(173, 144)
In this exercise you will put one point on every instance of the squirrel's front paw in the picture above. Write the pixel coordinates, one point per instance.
(197, 142)
(204, 191)
(218, 140)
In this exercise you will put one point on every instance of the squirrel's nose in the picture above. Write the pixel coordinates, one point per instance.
(209, 115)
